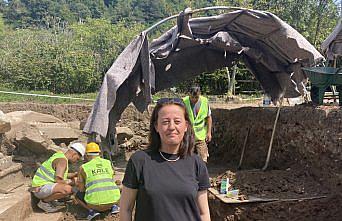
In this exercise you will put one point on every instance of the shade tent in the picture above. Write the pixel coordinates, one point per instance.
(332, 45)
(272, 50)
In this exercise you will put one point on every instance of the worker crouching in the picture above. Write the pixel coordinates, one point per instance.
(97, 189)
(52, 180)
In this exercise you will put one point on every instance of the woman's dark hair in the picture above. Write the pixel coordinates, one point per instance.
(187, 144)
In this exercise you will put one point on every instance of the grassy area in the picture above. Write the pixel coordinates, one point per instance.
(52, 99)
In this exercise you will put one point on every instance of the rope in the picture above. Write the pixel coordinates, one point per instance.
(45, 95)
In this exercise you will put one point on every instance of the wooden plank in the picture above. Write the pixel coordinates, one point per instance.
(251, 199)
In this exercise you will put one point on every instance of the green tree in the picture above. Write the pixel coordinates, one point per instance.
(17, 14)
(59, 46)
(144, 11)
(68, 61)
(105, 40)
(2, 6)
(110, 3)
(80, 11)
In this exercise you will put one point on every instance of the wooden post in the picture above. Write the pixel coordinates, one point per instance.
(233, 78)
(244, 148)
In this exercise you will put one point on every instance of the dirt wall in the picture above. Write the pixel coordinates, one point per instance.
(71, 112)
(303, 130)
(305, 162)
(65, 112)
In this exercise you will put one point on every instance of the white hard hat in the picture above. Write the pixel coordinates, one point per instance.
(79, 148)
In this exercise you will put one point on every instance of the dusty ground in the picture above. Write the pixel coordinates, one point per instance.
(305, 160)
(75, 213)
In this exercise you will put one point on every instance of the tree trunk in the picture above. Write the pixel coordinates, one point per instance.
(231, 81)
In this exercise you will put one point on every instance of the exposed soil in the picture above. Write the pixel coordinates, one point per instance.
(305, 163)
(305, 159)
(65, 112)
(76, 213)
(320, 209)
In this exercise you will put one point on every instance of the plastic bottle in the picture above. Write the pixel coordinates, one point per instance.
(224, 185)
(266, 101)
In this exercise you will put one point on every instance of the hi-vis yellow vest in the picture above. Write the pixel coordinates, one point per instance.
(99, 184)
(46, 174)
(199, 124)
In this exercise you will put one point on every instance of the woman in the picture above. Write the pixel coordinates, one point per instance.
(166, 182)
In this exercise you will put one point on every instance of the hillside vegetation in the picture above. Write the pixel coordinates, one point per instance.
(65, 46)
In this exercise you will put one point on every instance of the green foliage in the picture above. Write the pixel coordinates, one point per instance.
(2, 26)
(34, 13)
(71, 60)
(38, 13)
(2, 6)
(144, 11)
(66, 46)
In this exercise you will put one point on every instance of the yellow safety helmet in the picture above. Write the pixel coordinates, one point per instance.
(93, 147)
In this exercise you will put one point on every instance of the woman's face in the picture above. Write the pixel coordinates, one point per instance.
(171, 125)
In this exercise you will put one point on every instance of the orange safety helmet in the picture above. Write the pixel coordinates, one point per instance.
(93, 147)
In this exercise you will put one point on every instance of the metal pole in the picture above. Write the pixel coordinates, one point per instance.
(244, 148)
(189, 11)
(273, 132)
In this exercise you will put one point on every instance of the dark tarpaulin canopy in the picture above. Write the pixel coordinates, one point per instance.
(271, 49)
(332, 45)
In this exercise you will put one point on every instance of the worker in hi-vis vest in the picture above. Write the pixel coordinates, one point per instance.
(52, 180)
(97, 189)
(199, 112)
